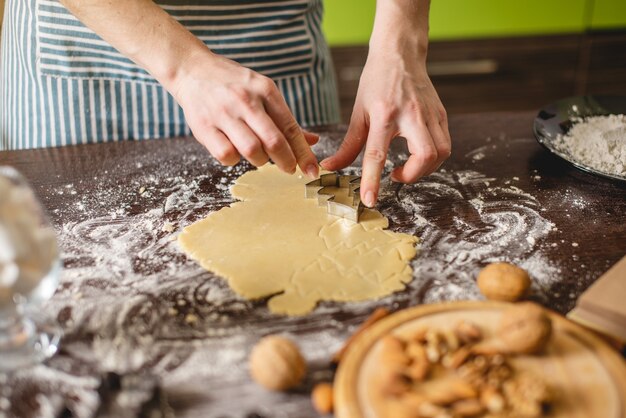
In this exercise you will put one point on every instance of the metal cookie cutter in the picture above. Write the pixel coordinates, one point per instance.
(319, 189)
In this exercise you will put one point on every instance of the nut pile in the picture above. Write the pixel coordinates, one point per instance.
(437, 373)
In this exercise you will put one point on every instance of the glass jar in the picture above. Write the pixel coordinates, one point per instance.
(29, 273)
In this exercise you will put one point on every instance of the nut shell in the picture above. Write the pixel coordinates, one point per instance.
(322, 398)
(524, 328)
(503, 281)
(276, 363)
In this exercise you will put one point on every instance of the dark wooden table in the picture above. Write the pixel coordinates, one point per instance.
(131, 303)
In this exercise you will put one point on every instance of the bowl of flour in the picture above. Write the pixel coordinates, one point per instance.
(587, 131)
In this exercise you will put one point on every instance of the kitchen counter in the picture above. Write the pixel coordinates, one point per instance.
(130, 302)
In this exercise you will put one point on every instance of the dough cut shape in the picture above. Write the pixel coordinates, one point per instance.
(274, 241)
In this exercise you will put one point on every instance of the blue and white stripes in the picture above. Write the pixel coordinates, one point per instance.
(61, 84)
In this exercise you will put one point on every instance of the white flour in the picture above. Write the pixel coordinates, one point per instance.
(598, 142)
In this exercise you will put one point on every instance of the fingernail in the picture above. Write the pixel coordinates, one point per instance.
(370, 199)
(311, 171)
(324, 161)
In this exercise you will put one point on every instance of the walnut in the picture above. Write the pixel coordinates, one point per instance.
(492, 400)
(503, 281)
(400, 408)
(395, 383)
(415, 351)
(468, 332)
(432, 337)
(485, 371)
(429, 410)
(433, 353)
(451, 340)
(467, 408)
(456, 359)
(404, 406)
(446, 391)
(524, 328)
(418, 370)
(276, 363)
(527, 395)
(420, 366)
(497, 375)
(392, 352)
(322, 398)
(419, 335)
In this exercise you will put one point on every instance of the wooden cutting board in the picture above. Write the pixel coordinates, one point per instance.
(588, 375)
(601, 307)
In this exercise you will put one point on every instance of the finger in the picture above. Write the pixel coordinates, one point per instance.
(351, 146)
(297, 148)
(219, 146)
(443, 123)
(374, 159)
(274, 142)
(423, 158)
(410, 171)
(246, 142)
(442, 143)
(310, 137)
(442, 138)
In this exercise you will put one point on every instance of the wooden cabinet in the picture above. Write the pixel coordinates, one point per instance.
(604, 59)
(507, 73)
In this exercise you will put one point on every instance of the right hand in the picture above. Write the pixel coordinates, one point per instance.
(235, 112)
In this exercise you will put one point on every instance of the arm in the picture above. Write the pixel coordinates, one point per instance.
(232, 111)
(395, 97)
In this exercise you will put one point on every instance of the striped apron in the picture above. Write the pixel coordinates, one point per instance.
(61, 84)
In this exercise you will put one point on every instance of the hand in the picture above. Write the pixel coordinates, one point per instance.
(395, 97)
(231, 110)
(235, 112)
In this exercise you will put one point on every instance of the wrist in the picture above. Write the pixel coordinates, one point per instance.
(394, 48)
(179, 64)
(183, 69)
(401, 29)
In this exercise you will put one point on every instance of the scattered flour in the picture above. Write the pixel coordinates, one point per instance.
(598, 142)
(127, 285)
(491, 223)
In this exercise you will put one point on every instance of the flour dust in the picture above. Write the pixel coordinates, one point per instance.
(130, 300)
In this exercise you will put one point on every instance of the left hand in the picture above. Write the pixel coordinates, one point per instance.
(395, 98)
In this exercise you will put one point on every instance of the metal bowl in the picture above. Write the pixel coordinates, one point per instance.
(557, 119)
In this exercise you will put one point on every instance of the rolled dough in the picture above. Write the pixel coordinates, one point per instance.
(276, 242)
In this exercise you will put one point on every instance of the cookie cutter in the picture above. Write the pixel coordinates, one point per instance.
(316, 189)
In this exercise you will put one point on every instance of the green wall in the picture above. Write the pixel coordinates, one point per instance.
(608, 14)
(349, 22)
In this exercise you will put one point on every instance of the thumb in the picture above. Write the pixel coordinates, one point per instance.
(352, 144)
